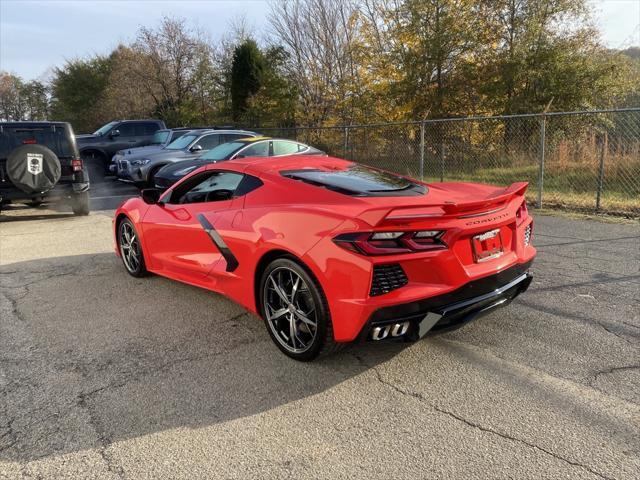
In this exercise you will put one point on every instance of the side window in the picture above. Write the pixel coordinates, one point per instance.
(177, 134)
(138, 129)
(127, 129)
(259, 149)
(212, 186)
(209, 141)
(149, 128)
(281, 147)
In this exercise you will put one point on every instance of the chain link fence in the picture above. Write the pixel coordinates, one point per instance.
(583, 161)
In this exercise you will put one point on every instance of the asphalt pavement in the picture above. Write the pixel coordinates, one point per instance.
(107, 376)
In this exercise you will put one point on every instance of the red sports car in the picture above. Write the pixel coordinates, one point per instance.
(329, 251)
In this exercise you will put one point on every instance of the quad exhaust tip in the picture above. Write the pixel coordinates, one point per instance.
(393, 329)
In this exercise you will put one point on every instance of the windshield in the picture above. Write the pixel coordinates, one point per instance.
(223, 152)
(160, 137)
(55, 139)
(181, 142)
(105, 128)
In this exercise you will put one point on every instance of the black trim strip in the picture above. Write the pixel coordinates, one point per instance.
(232, 261)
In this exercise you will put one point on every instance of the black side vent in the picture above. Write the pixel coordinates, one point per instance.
(386, 278)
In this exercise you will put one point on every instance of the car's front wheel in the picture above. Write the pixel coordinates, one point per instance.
(131, 249)
(295, 311)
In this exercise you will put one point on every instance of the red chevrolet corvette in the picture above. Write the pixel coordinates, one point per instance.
(329, 251)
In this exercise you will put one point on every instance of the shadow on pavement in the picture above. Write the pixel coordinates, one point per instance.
(106, 195)
(121, 358)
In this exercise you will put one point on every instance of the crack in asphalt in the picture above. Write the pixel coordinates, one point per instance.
(609, 371)
(13, 302)
(472, 424)
(102, 437)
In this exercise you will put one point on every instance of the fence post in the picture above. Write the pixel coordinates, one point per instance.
(422, 150)
(543, 127)
(442, 161)
(603, 149)
(346, 141)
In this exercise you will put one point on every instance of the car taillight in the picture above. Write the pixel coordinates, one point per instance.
(76, 165)
(522, 213)
(388, 243)
(29, 141)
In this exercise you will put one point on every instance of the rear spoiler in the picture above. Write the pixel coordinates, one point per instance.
(494, 202)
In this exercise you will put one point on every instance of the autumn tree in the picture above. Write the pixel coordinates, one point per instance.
(169, 63)
(320, 39)
(77, 92)
(20, 100)
(545, 50)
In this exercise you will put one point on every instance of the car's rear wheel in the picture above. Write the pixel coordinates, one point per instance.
(295, 311)
(131, 249)
(80, 203)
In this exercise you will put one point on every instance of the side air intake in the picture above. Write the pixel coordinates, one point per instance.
(386, 278)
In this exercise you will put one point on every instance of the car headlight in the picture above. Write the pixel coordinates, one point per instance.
(141, 161)
(184, 171)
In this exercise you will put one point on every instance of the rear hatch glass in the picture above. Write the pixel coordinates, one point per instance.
(358, 180)
(55, 139)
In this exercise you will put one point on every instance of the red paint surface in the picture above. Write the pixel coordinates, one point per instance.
(291, 216)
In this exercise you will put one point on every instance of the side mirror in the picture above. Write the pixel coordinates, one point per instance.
(195, 148)
(114, 133)
(151, 195)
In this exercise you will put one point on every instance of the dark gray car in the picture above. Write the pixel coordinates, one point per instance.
(160, 140)
(248, 147)
(189, 146)
(97, 148)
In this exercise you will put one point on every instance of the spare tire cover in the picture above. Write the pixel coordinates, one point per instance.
(33, 168)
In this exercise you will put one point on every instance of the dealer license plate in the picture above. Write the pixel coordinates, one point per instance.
(487, 245)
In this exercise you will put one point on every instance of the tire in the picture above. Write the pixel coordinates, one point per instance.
(151, 180)
(80, 203)
(307, 300)
(130, 248)
(33, 168)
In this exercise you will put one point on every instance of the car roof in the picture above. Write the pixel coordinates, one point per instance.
(155, 120)
(257, 138)
(287, 162)
(39, 123)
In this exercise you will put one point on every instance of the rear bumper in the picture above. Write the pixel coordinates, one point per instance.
(453, 309)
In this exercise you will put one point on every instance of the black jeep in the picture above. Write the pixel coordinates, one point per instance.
(39, 161)
(98, 148)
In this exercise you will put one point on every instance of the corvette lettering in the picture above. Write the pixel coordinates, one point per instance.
(487, 220)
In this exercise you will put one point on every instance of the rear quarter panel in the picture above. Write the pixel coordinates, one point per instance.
(253, 232)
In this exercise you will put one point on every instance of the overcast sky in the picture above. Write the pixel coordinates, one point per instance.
(36, 35)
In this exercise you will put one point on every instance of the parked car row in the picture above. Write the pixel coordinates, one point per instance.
(46, 161)
(172, 153)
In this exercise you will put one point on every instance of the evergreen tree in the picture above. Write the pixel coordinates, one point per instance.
(246, 76)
